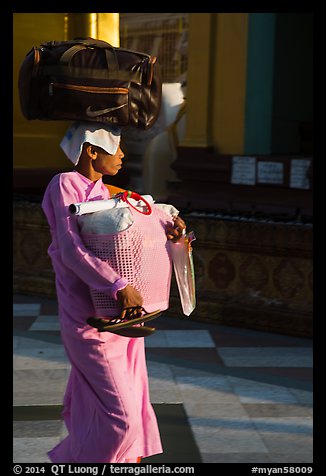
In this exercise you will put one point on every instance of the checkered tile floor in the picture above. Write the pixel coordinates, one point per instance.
(237, 395)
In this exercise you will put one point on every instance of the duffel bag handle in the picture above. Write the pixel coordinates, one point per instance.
(79, 41)
(110, 55)
(77, 44)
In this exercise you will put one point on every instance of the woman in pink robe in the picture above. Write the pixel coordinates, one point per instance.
(107, 409)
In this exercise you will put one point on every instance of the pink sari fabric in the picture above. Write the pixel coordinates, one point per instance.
(107, 408)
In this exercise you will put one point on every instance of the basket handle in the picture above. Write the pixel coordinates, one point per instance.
(128, 194)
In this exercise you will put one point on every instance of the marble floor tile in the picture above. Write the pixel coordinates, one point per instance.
(15, 342)
(158, 339)
(251, 391)
(240, 390)
(286, 434)
(46, 323)
(215, 410)
(23, 323)
(266, 356)
(180, 338)
(268, 458)
(225, 336)
(277, 410)
(159, 370)
(39, 386)
(44, 428)
(235, 457)
(302, 396)
(28, 309)
(304, 374)
(181, 370)
(40, 358)
(206, 389)
(189, 338)
(190, 354)
(34, 341)
(37, 413)
(163, 392)
(236, 435)
(290, 425)
(33, 450)
(49, 307)
(291, 458)
(162, 386)
(64, 432)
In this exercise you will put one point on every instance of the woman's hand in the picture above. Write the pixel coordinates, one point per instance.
(129, 297)
(176, 231)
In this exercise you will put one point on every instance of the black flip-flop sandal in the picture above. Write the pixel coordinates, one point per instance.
(112, 325)
(135, 331)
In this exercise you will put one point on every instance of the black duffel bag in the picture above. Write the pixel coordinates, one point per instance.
(89, 80)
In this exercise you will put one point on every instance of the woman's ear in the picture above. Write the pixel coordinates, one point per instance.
(91, 151)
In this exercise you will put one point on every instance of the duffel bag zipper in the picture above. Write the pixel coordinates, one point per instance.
(152, 60)
(87, 89)
(36, 63)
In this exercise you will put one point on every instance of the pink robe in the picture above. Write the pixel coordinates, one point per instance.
(107, 407)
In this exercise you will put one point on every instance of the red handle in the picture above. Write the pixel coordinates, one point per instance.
(128, 194)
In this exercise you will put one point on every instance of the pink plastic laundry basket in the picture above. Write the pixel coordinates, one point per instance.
(139, 254)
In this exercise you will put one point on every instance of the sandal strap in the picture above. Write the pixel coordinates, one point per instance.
(107, 325)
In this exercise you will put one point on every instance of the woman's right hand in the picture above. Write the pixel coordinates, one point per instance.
(129, 297)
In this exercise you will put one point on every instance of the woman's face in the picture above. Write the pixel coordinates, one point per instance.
(108, 164)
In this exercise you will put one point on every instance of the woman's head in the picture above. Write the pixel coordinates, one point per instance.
(104, 136)
(101, 161)
(93, 148)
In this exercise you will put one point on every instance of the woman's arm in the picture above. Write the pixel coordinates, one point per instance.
(93, 271)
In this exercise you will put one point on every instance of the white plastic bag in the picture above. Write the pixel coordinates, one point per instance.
(181, 254)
